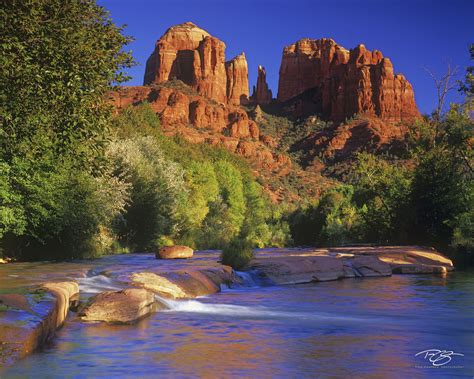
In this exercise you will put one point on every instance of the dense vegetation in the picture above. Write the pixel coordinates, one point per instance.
(58, 62)
(197, 195)
(425, 198)
(76, 181)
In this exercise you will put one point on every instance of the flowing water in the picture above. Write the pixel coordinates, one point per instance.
(368, 328)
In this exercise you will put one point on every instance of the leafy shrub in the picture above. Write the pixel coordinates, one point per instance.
(237, 254)
(163, 241)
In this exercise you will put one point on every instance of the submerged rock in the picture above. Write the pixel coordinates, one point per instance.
(124, 306)
(175, 252)
(29, 320)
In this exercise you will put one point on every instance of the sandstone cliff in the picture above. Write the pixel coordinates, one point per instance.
(190, 54)
(319, 76)
(237, 80)
(198, 95)
(261, 93)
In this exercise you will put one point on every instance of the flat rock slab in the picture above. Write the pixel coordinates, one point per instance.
(403, 259)
(184, 284)
(28, 320)
(126, 306)
(366, 266)
(308, 265)
(175, 252)
(300, 269)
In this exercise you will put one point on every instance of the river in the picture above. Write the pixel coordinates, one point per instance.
(370, 328)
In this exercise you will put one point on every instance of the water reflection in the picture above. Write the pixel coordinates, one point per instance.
(367, 328)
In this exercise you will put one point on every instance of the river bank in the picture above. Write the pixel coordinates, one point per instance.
(173, 280)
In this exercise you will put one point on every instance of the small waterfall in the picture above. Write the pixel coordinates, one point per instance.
(98, 283)
(251, 279)
(195, 306)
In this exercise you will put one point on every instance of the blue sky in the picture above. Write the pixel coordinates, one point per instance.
(412, 33)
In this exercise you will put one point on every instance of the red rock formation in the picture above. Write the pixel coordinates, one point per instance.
(207, 116)
(173, 56)
(237, 80)
(342, 141)
(210, 78)
(188, 53)
(261, 93)
(338, 83)
(199, 120)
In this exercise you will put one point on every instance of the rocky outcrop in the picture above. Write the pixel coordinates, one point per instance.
(173, 56)
(190, 54)
(122, 307)
(261, 93)
(184, 284)
(28, 321)
(319, 76)
(174, 252)
(209, 74)
(304, 266)
(339, 142)
(237, 80)
(65, 293)
(407, 259)
(300, 269)
(200, 120)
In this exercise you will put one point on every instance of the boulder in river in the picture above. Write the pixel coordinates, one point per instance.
(174, 252)
(126, 306)
(182, 284)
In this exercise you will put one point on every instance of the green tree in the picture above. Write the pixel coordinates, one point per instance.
(332, 221)
(382, 190)
(468, 86)
(232, 192)
(158, 195)
(59, 60)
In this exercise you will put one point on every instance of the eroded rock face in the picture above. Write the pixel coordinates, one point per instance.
(28, 321)
(261, 93)
(175, 252)
(190, 54)
(65, 293)
(125, 306)
(319, 76)
(237, 80)
(200, 120)
(339, 142)
(209, 71)
(173, 56)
